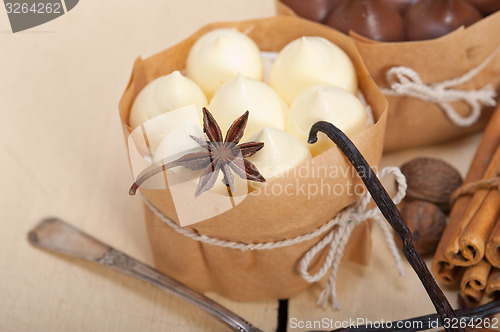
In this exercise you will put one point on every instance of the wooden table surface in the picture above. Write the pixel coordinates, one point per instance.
(62, 154)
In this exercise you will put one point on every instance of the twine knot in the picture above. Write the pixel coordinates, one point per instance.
(339, 231)
(338, 237)
(472, 187)
(404, 81)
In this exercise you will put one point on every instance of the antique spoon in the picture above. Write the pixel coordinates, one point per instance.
(56, 235)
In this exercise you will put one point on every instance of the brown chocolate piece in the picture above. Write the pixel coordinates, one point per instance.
(315, 10)
(400, 5)
(374, 19)
(430, 19)
(486, 7)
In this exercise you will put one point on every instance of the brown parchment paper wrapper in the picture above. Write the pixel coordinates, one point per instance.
(412, 122)
(282, 9)
(260, 274)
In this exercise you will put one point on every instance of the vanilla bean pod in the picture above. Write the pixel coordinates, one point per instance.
(427, 322)
(391, 213)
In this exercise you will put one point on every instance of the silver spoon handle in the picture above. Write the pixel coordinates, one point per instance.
(56, 235)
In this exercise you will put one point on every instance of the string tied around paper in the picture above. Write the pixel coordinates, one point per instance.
(404, 81)
(472, 187)
(339, 231)
(338, 237)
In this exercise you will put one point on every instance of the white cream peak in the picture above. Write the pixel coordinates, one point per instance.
(172, 130)
(310, 61)
(282, 151)
(326, 103)
(165, 94)
(219, 55)
(240, 94)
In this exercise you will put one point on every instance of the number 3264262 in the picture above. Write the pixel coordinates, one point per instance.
(34, 8)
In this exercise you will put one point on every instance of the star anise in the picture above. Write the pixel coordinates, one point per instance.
(222, 155)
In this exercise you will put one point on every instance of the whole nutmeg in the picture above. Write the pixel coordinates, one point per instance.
(431, 180)
(315, 10)
(374, 19)
(426, 223)
(428, 19)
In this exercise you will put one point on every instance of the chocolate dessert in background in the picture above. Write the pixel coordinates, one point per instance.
(373, 19)
(395, 20)
(429, 19)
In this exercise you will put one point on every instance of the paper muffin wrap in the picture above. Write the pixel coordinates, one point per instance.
(414, 122)
(282, 9)
(272, 273)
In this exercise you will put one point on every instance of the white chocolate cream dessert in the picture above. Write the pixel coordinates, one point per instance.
(282, 151)
(175, 129)
(168, 125)
(219, 56)
(308, 62)
(164, 94)
(245, 94)
(326, 103)
(311, 74)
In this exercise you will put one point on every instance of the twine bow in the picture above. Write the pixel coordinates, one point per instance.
(339, 230)
(404, 81)
(338, 237)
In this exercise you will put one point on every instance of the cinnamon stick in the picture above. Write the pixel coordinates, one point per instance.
(472, 296)
(444, 270)
(493, 246)
(476, 276)
(474, 282)
(493, 285)
(480, 217)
